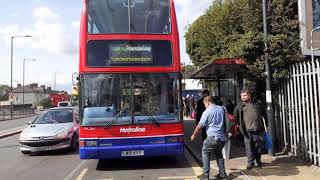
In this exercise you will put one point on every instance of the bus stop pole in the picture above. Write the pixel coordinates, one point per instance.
(270, 110)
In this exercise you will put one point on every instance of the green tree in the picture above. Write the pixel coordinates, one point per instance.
(46, 103)
(4, 92)
(189, 69)
(234, 29)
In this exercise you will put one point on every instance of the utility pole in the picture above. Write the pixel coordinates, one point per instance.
(11, 54)
(270, 110)
(54, 80)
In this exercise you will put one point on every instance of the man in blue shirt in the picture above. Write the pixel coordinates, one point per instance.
(213, 119)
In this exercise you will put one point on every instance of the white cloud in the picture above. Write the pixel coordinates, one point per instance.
(76, 24)
(16, 14)
(45, 13)
(187, 12)
(47, 33)
(9, 30)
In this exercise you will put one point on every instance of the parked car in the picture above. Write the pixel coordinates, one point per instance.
(55, 128)
(64, 104)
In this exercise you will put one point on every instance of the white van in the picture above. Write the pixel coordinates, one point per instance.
(64, 104)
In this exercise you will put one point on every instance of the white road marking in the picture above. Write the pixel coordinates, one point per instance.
(13, 129)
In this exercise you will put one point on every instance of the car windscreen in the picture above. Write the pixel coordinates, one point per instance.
(55, 116)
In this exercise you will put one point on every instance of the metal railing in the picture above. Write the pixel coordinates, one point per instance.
(298, 111)
(5, 114)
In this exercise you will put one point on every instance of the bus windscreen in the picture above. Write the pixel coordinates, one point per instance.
(129, 16)
(119, 97)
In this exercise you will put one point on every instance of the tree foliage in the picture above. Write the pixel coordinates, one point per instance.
(46, 103)
(234, 29)
(188, 70)
(4, 92)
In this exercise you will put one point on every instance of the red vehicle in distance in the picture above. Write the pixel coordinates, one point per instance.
(55, 98)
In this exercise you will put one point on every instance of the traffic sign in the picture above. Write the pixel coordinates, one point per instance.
(11, 97)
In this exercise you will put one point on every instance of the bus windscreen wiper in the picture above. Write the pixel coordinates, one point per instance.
(116, 117)
(149, 115)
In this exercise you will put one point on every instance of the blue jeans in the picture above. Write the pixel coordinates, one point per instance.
(212, 145)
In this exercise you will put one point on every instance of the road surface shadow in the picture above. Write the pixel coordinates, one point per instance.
(61, 152)
(163, 162)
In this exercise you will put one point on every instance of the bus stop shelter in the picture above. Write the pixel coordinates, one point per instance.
(227, 73)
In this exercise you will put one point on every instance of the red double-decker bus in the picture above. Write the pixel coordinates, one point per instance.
(130, 79)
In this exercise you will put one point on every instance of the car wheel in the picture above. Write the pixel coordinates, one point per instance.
(25, 152)
(74, 143)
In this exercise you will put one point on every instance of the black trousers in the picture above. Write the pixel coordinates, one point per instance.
(254, 143)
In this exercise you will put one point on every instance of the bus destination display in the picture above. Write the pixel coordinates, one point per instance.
(130, 54)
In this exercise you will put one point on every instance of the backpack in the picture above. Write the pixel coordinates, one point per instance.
(228, 123)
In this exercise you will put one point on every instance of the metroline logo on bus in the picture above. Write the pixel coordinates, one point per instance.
(130, 129)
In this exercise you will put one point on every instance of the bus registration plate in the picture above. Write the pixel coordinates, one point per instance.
(133, 153)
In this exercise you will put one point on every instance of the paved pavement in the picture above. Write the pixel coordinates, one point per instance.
(277, 167)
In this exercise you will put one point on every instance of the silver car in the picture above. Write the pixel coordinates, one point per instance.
(56, 128)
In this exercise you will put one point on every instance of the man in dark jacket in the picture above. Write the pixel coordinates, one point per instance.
(200, 109)
(248, 114)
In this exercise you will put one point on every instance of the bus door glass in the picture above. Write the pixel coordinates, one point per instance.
(155, 98)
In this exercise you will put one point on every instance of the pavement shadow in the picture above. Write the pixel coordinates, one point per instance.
(163, 162)
(280, 167)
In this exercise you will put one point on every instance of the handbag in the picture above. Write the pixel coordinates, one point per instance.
(266, 137)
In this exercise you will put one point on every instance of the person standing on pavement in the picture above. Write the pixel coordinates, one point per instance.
(213, 119)
(248, 114)
(200, 109)
(229, 106)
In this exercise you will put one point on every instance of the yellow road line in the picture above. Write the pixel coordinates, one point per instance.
(196, 169)
(83, 172)
(178, 177)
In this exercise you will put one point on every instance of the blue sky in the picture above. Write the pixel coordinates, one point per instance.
(54, 27)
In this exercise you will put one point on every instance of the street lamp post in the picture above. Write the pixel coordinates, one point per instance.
(24, 62)
(270, 110)
(11, 88)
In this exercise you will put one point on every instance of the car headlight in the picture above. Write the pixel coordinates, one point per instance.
(63, 134)
(23, 136)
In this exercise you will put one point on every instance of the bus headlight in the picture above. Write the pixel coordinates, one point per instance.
(91, 143)
(175, 139)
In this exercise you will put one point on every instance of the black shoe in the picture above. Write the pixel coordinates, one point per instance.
(249, 166)
(203, 177)
(259, 163)
(218, 176)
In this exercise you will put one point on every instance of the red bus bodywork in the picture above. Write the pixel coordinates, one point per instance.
(167, 139)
